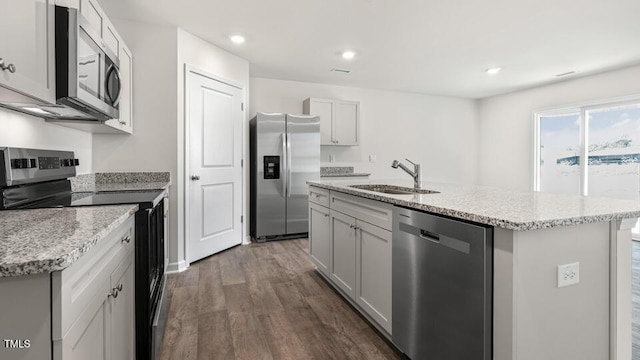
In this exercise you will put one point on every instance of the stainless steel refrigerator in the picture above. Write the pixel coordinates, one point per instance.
(285, 154)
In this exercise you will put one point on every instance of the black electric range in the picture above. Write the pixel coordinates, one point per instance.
(36, 179)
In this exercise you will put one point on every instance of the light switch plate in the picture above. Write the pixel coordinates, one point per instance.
(568, 274)
(373, 158)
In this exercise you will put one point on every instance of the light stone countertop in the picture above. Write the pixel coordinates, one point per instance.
(509, 209)
(121, 181)
(46, 240)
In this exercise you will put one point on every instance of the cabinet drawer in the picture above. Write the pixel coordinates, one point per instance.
(74, 287)
(374, 212)
(319, 196)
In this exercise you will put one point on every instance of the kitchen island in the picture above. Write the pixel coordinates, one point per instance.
(533, 234)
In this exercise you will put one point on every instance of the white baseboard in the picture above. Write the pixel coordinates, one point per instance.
(247, 240)
(176, 267)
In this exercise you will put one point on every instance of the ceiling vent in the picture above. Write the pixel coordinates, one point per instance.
(344, 71)
(565, 74)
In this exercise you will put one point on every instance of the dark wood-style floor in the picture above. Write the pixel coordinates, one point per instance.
(263, 301)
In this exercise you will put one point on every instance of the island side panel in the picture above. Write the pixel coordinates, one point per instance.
(571, 322)
(621, 307)
(503, 295)
(25, 315)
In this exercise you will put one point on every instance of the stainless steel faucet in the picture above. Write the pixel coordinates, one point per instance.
(416, 174)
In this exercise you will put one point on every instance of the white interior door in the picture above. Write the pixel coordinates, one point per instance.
(214, 176)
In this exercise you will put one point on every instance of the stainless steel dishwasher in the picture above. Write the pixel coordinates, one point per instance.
(442, 287)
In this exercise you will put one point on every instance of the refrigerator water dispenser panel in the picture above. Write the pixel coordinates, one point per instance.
(272, 167)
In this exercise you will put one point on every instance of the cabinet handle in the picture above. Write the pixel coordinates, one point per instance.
(122, 122)
(351, 226)
(326, 215)
(119, 287)
(356, 228)
(10, 67)
(126, 239)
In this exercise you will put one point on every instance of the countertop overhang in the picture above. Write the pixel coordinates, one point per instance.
(47, 240)
(504, 208)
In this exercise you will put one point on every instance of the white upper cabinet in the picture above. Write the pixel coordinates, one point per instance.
(102, 26)
(27, 50)
(339, 120)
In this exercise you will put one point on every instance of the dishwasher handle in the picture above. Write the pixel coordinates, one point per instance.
(428, 235)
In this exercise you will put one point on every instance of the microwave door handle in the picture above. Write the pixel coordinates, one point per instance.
(113, 71)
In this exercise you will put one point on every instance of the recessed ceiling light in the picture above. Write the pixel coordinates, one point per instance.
(493, 71)
(348, 55)
(238, 39)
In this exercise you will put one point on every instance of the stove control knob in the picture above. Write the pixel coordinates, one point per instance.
(66, 162)
(32, 163)
(16, 164)
(76, 162)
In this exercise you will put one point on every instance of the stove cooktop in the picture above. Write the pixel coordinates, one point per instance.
(144, 199)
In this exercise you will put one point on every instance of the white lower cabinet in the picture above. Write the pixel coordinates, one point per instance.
(122, 315)
(93, 302)
(373, 261)
(343, 240)
(356, 237)
(87, 337)
(319, 237)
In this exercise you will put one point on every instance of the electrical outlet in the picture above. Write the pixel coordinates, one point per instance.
(568, 274)
(332, 158)
(373, 158)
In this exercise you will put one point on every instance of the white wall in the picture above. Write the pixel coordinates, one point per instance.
(19, 130)
(157, 144)
(506, 122)
(223, 65)
(438, 132)
(152, 146)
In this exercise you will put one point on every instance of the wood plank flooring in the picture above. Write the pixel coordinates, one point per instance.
(263, 301)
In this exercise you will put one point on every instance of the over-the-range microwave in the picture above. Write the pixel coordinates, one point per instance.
(88, 83)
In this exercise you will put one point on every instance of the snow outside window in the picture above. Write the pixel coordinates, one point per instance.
(590, 150)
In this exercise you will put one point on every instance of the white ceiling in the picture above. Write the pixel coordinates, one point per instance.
(424, 46)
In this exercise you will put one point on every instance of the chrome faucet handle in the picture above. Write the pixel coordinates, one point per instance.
(412, 163)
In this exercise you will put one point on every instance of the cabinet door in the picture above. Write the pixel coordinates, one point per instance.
(122, 314)
(324, 109)
(346, 122)
(111, 38)
(373, 285)
(343, 248)
(319, 237)
(27, 42)
(87, 338)
(91, 11)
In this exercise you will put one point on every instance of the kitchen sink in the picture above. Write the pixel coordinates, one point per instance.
(393, 189)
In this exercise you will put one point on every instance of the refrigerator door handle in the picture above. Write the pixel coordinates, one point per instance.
(284, 165)
(288, 166)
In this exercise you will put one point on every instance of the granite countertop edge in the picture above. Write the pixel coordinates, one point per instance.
(344, 175)
(478, 218)
(76, 252)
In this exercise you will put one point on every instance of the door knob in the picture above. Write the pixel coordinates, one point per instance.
(195, 177)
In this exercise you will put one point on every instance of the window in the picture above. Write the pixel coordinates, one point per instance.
(606, 135)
